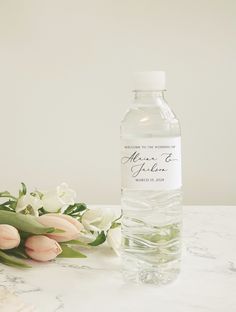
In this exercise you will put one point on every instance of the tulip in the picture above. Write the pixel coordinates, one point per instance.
(58, 199)
(70, 231)
(42, 248)
(98, 219)
(70, 219)
(9, 237)
(30, 202)
(114, 239)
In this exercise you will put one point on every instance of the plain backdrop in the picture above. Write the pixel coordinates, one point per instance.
(65, 69)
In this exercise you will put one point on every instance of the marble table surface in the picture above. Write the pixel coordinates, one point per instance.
(207, 281)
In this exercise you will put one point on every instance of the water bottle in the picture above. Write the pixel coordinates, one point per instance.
(151, 185)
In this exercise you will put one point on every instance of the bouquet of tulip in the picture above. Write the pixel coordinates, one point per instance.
(45, 225)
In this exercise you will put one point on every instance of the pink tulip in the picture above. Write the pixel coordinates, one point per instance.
(70, 219)
(9, 237)
(71, 231)
(42, 248)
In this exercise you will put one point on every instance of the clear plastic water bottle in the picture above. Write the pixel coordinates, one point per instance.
(151, 185)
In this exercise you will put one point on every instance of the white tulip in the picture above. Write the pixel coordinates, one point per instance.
(98, 219)
(114, 239)
(29, 202)
(58, 199)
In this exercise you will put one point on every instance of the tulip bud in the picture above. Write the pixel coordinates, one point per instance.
(9, 237)
(70, 231)
(70, 219)
(42, 248)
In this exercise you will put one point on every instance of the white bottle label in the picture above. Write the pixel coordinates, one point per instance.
(151, 163)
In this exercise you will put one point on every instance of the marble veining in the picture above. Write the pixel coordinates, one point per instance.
(61, 306)
(207, 282)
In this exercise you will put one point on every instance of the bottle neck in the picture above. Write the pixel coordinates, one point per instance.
(148, 97)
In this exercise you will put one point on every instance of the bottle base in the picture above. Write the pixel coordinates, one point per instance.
(153, 275)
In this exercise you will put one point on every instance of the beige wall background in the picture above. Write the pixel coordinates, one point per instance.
(65, 69)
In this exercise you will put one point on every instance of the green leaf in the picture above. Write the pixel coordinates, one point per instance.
(17, 252)
(76, 242)
(68, 252)
(8, 202)
(9, 205)
(3, 207)
(100, 239)
(74, 209)
(7, 195)
(12, 261)
(23, 190)
(115, 225)
(24, 235)
(25, 223)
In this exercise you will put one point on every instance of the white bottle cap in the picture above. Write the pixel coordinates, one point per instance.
(149, 80)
